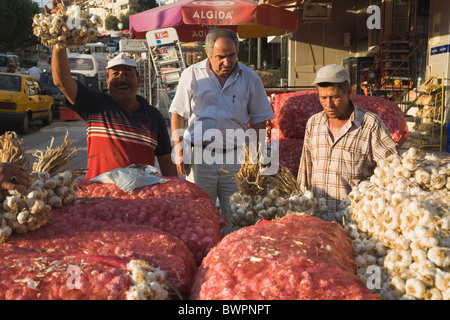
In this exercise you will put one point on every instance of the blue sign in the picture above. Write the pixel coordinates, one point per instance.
(440, 49)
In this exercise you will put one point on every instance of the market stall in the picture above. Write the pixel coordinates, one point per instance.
(131, 233)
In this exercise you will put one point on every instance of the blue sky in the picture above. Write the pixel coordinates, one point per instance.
(42, 2)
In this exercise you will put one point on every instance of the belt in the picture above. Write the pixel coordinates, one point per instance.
(224, 150)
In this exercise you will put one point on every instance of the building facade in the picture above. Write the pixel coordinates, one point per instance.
(115, 8)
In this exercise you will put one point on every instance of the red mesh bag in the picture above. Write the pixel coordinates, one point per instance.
(389, 112)
(191, 221)
(290, 152)
(292, 111)
(37, 265)
(29, 274)
(177, 187)
(296, 257)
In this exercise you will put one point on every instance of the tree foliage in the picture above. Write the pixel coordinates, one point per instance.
(147, 4)
(125, 19)
(16, 19)
(111, 23)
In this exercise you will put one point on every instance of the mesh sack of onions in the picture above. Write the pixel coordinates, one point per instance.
(399, 221)
(175, 187)
(292, 111)
(295, 257)
(72, 26)
(136, 264)
(194, 224)
(290, 151)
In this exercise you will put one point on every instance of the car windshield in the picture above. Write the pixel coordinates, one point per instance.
(10, 83)
(81, 64)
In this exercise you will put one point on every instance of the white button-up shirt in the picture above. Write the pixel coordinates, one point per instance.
(214, 112)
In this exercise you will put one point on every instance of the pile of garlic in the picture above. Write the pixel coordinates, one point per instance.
(248, 210)
(147, 282)
(67, 29)
(21, 213)
(399, 221)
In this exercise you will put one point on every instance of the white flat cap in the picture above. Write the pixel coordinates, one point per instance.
(333, 73)
(121, 60)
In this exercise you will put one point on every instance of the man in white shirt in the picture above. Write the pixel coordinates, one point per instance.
(34, 71)
(219, 97)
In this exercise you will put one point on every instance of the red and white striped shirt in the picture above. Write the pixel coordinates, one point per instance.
(116, 138)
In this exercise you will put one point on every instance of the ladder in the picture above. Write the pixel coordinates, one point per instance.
(167, 57)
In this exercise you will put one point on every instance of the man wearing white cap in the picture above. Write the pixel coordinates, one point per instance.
(122, 128)
(343, 143)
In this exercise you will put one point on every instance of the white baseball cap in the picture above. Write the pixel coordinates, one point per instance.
(121, 60)
(333, 73)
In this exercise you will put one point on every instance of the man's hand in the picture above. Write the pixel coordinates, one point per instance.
(181, 167)
(13, 177)
(54, 8)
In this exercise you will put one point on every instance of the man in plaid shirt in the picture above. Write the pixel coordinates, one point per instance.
(343, 143)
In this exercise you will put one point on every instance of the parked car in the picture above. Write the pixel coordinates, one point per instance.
(23, 99)
(46, 81)
(92, 66)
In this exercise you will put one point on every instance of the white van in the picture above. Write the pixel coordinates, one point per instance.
(93, 67)
(96, 49)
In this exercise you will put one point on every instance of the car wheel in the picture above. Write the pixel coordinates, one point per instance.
(24, 125)
(49, 118)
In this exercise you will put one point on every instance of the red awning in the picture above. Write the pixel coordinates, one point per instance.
(193, 18)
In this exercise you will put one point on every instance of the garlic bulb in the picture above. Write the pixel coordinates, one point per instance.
(147, 282)
(21, 213)
(404, 208)
(248, 210)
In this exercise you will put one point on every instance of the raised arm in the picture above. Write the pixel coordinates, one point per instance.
(60, 66)
(61, 74)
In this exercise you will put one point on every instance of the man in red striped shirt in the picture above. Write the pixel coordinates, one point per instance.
(122, 128)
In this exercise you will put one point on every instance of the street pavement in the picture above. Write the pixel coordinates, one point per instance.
(40, 138)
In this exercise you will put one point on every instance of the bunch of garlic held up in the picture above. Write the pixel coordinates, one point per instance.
(269, 196)
(147, 282)
(52, 186)
(72, 26)
(399, 222)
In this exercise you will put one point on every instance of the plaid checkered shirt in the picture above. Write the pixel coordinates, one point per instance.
(330, 169)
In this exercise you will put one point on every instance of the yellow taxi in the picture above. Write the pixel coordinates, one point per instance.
(22, 99)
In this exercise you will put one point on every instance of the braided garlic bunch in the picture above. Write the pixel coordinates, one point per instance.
(69, 28)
